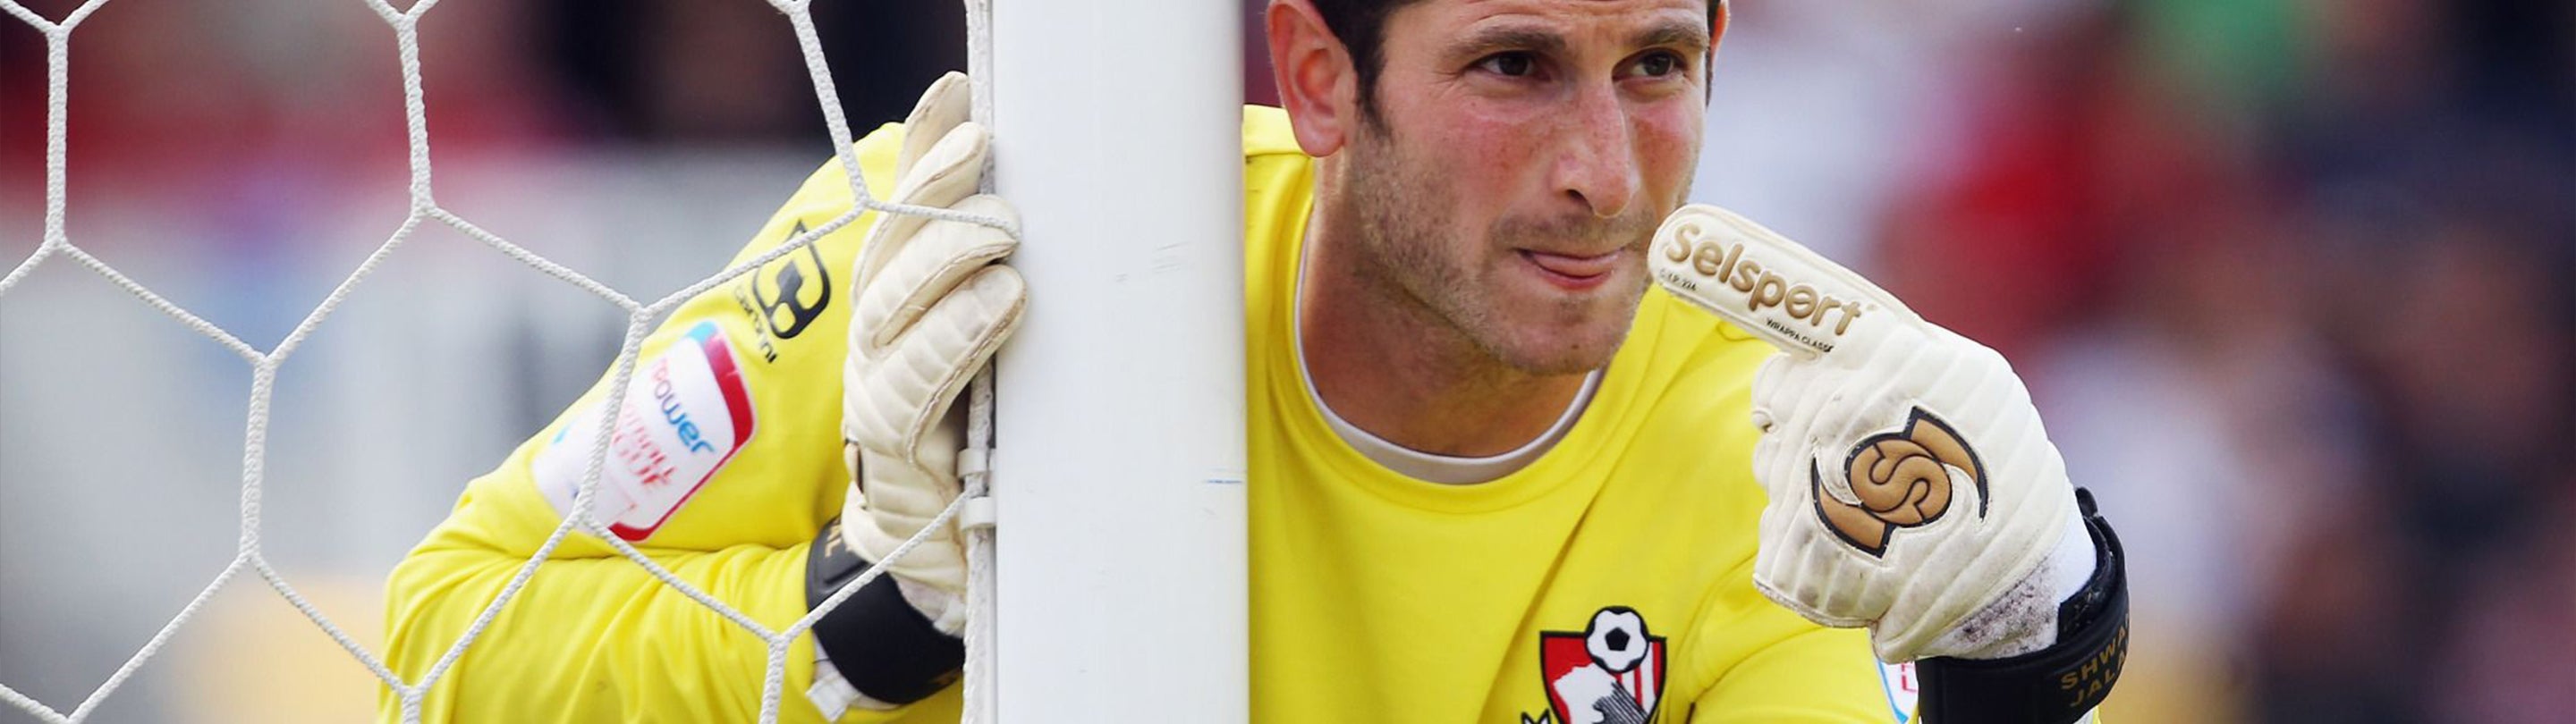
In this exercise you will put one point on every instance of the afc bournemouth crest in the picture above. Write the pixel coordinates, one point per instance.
(1611, 672)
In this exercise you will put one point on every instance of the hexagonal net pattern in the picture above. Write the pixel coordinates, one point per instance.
(57, 247)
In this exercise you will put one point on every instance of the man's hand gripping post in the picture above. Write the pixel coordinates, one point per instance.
(932, 307)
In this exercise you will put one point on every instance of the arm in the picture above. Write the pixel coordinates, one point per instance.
(1801, 673)
(726, 482)
(1812, 675)
(599, 639)
(1779, 667)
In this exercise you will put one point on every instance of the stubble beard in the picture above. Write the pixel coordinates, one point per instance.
(1402, 214)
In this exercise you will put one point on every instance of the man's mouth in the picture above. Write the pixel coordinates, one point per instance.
(1574, 272)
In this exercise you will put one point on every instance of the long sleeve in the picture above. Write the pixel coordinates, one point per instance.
(722, 461)
(1816, 676)
(1772, 667)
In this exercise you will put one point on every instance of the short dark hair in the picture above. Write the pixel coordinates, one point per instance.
(1361, 26)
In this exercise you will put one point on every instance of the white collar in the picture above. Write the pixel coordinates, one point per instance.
(1444, 469)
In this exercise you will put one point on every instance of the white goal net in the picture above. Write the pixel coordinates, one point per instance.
(62, 250)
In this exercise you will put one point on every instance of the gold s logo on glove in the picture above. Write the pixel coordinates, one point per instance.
(1900, 479)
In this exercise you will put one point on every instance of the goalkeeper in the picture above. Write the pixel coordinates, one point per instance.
(1496, 474)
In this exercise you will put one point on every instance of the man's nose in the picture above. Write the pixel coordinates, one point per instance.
(1596, 163)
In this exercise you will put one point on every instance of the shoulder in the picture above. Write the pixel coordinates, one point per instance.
(1278, 194)
(826, 191)
(1679, 399)
(1690, 354)
(1268, 136)
(1278, 176)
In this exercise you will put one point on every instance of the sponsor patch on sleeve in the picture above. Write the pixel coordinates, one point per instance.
(685, 414)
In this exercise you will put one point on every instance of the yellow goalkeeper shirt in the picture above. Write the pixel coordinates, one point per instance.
(1608, 581)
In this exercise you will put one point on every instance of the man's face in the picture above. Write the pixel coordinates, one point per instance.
(1522, 153)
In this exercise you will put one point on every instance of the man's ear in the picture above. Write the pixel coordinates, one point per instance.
(1317, 83)
(1717, 20)
(1717, 26)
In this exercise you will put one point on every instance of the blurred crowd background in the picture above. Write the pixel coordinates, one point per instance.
(2293, 281)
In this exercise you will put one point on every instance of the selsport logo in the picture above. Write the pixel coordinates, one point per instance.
(1706, 269)
(686, 413)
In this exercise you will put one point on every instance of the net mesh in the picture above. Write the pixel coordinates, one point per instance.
(57, 247)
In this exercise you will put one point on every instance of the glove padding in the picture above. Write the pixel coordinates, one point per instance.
(1912, 488)
(930, 309)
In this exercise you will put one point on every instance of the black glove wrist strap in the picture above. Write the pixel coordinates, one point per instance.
(2055, 685)
(882, 645)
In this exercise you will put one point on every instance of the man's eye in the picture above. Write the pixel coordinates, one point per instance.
(1659, 65)
(1509, 64)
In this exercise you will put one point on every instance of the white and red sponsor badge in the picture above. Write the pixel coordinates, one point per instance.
(686, 413)
(1903, 689)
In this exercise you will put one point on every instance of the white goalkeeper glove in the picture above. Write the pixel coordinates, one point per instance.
(1912, 489)
(930, 309)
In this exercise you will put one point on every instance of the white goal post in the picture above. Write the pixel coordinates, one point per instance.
(1119, 444)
